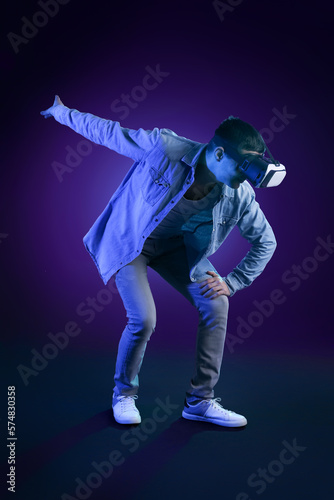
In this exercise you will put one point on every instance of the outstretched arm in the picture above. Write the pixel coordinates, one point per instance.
(109, 133)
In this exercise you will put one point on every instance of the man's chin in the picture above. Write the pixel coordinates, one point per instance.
(234, 184)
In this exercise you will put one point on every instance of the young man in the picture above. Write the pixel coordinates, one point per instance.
(174, 208)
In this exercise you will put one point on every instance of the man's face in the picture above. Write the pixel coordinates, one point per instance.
(224, 168)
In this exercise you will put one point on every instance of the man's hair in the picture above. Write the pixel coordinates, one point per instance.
(240, 134)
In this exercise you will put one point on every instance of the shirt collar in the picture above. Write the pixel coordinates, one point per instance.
(192, 156)
(228, 191)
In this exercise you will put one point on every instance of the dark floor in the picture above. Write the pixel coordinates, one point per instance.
(65, 428)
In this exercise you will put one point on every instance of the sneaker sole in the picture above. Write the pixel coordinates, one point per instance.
(227, 423)
(133, 421)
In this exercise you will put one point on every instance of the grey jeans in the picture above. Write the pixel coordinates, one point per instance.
(168, 258)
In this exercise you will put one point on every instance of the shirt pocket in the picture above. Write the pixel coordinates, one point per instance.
(154, 186)
(225, 225)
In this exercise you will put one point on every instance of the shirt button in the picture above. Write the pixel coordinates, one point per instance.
(156, 220)
(172, 201)
(192, 279)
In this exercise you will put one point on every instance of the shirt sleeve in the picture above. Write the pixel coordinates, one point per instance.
(255, 228)
(109, 133)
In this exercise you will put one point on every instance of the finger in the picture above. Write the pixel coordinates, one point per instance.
(204, 283)
(218, 294)
(220, 291)
(210, 284)
(212, 291)
(207, 288)
(212, 294)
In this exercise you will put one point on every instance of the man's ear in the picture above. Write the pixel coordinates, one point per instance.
(219, 153)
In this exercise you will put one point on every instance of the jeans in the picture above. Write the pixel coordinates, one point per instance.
(168, 258)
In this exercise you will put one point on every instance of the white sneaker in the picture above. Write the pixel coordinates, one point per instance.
(209, 410)
(125, 411)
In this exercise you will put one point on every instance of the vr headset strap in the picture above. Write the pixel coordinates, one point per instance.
(271, 157)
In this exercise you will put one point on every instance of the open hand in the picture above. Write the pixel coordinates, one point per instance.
(49, 112)
(214, 287)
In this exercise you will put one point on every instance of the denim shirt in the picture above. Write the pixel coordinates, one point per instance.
(163, 170)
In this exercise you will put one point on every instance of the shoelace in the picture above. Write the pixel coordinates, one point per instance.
(214, 402)
(127, 403)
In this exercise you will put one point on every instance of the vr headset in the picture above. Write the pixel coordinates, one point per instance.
(259, 171)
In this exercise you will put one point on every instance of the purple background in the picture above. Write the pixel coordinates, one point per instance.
(262, 56)
(259, 58)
